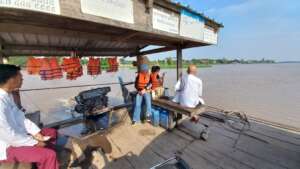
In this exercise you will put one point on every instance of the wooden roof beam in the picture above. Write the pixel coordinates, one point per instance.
(126, 37)
(152, 51)
(9, 47)
(17, 28)
(62, 54)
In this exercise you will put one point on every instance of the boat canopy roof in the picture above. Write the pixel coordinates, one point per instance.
(101, 27)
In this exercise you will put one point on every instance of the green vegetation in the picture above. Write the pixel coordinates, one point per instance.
(170, 63)
(18, 60)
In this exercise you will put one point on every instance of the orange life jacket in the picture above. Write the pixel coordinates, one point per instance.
(154, 81)
(113, 64)
(45, 70)
(56, 69)
(73, 68)
(142, 81)
(33, 65)
(94, 66)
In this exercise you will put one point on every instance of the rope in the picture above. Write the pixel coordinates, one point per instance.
(236, 120)
(67, 87)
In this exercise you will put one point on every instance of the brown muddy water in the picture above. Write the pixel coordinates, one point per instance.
(266, 91)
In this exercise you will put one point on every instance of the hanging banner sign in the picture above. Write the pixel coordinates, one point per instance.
(47, 6)
(191, 25)
(120, 10)
(165, 21)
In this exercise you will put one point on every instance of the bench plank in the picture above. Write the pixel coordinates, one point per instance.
(175, 107)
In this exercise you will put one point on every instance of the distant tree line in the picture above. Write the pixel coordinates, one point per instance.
(168, 62)
(172, 61)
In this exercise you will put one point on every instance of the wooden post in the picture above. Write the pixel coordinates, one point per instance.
(1, 59)
(1, 54)
(179, 61)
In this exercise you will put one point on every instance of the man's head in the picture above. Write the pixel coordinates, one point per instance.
(155, 69)
(192, 69)
(10, 77)
(144, 68)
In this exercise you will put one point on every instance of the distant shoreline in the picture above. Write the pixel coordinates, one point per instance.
(289, 62)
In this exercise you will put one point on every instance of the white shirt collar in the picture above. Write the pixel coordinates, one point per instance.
(3, 92)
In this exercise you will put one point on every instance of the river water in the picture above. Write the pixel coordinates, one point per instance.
(266, 91)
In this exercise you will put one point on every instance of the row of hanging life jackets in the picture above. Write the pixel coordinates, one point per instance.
(49, 68)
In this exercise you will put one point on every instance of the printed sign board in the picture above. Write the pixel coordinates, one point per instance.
(210, 35)
(47, 6)
(165, 21)
(191, 25)
(120, 10)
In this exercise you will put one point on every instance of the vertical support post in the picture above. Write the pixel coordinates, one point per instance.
(138, 62)
(1, 54)
(179, 61)
(17, 98)
(1, 58)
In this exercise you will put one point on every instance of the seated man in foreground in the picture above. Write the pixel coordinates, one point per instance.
(20, 139)
(189, 89)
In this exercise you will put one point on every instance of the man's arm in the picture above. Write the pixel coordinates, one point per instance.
(30, 127)
(8, 133)
(177, 85)
(200, 88)
(200, 92)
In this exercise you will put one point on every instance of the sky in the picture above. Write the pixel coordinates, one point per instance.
(253, 29)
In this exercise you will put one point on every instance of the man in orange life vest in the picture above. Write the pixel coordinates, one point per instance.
(142, 85)
(156, 82)
(20, 139)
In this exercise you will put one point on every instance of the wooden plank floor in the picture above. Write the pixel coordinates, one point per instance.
(263, 147)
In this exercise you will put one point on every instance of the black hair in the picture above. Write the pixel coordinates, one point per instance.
(7, 72)
(155, 69)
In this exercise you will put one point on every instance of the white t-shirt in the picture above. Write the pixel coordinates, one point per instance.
(15, 128)
(189, 91)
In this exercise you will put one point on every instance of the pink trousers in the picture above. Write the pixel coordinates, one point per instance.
(44, 157)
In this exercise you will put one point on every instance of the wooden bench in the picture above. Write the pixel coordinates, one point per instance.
(15, 166)
(177, 110)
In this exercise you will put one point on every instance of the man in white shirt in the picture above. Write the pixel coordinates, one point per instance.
(189, 89)
(20, 139)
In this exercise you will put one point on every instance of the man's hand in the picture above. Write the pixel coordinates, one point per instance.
(39, 137)
(142, 92)
(40, 144)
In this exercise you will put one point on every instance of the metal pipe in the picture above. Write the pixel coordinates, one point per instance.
(66, 87)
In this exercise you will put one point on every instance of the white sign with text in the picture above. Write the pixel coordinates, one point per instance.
(210, 35)
(120, 10)
(47, 6)
(191, 26)
(165, 21)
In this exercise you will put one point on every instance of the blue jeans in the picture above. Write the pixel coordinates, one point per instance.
(138, 106)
